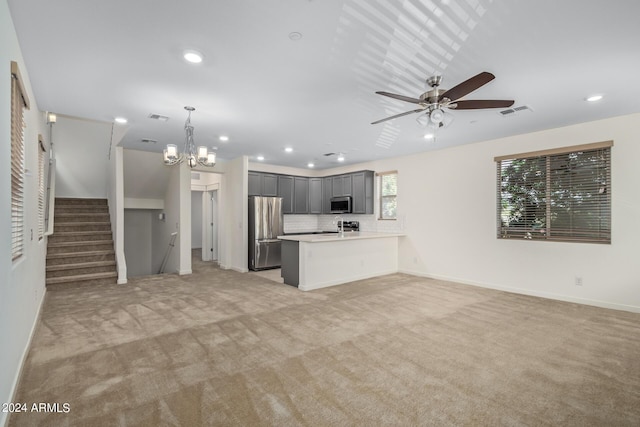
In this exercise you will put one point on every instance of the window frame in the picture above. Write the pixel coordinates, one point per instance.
(382, 197)
(554, 190)
(19, 103)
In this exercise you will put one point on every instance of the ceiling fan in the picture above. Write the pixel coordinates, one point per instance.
(434, 102)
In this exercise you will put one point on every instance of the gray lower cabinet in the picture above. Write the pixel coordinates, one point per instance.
(290, 269)
(315, 195)
(300, 195)
(285, 190)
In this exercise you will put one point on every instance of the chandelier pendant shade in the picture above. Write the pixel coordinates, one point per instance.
(194, 157)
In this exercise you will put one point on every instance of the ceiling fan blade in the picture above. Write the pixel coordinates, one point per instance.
(467, 86)
(398, 115)
(481, 103)
(400, 97)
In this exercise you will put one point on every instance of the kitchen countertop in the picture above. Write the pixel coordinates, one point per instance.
(337, 237)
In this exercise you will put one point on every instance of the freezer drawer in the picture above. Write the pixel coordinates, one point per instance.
(266, 254)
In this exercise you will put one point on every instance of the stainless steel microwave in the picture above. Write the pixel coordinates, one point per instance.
(341, 204)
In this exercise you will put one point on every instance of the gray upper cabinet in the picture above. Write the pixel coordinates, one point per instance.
(362, 192)
(263, 184)
(341, 185)
(285, 190)
(315, 195)
(269, 185)
(300, 195)
(326, 194)
(255, 184)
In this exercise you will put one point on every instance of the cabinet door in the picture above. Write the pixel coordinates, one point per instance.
(362, 192)
(326, 194)
(300, 195)
(269, 185)
(336, 186)
(255, 184)
(315, 195)
(358, 196)
(346, 185)
(285, 190)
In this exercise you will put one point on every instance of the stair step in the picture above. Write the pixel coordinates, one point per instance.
(81, 226)
(66, 201)
(82, 243)
(79, 254)
(81, 278)
(60, 267)
(80, 209)
(80, 268)
(72, 218)
(79, 236)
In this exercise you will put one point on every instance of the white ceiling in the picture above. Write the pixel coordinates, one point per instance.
(102, 59)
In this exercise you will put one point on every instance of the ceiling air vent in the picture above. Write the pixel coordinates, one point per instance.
(329, 154)
(158, 117)
(148, 140)
(511, 111)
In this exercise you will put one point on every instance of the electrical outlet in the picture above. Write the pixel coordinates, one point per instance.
(578, 280)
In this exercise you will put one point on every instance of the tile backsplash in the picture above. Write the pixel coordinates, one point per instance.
(300, 223)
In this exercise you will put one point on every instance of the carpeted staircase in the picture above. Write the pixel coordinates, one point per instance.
(80, 251)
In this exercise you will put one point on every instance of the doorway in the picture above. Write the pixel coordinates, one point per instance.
(205, 211)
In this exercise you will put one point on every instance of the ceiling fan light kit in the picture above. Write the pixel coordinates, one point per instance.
(434, 102)
(194, 157)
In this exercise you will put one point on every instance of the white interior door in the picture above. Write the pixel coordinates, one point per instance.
(214, 225)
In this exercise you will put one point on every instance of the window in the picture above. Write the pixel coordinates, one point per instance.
(561, 194)
(41, 187)
(388, 192)
(19, 102)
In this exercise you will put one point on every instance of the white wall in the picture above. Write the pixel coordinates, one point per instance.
(196, 219)
(233, 221)
(138, 241)
(22, 283)
(82, 157)
(447, 208)
(115, 196)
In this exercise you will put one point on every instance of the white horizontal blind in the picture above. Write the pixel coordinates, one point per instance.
(564, 196)
(41, 187)
(19, 102)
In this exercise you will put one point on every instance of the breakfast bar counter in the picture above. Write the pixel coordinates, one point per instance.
(313, 261)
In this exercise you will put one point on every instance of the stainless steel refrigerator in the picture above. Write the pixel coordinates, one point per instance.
(265, 225)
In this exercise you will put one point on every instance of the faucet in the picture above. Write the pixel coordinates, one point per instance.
(340, 222)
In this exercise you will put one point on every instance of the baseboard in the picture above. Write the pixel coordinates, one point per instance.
(183, 272)
(16, 381)
(521, 291)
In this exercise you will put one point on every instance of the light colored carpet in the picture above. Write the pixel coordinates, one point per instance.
(224, 348)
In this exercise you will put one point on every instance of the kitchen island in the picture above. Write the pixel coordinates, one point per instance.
(313, 261)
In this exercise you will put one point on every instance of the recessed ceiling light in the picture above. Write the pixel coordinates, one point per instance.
(594, 98)
(428, 136)
(223, 138)
(120, 120)
(260, 158)
(295, 36)
(193, 56)
(310, 164)
(340, 158)
(288, 149)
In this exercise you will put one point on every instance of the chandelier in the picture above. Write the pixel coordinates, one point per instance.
(201, 156)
